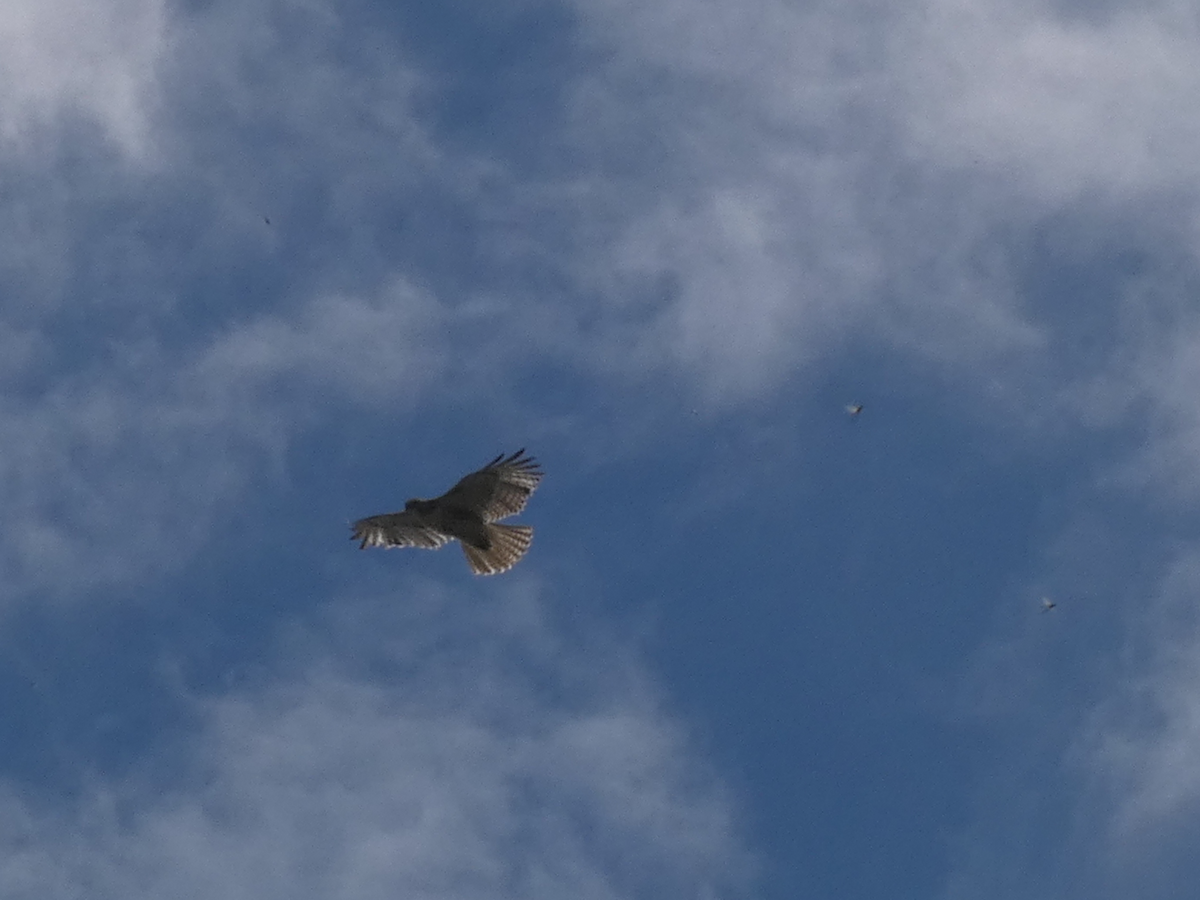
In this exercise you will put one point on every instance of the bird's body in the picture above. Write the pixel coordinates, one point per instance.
(466, 513)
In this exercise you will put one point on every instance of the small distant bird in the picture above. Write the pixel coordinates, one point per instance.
(466, 513)
(1048, 604)
(267, 219)
(853, 409)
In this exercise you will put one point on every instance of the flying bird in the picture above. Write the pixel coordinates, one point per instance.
(853, 409)
(1048, 604)
(465, 513)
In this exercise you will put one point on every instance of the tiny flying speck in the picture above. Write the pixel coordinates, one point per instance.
(1048, 604)
(853, 409)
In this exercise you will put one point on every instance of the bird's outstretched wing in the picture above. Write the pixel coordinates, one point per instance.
(498, 490)
(402, 529)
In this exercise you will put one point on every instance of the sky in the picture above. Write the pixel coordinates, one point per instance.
(270, 266)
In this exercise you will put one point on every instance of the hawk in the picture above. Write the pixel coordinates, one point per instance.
(466, 512)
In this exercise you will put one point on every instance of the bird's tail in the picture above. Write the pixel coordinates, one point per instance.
(508, 544)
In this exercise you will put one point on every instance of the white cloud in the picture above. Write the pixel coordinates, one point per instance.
(825, 170)
(62, 58)
(455, 776)
(118, 472)
(391, 346)
(784, 211)
(819, 170)
(737, 298)
(1064, 104)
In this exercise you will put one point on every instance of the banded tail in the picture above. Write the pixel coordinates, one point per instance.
(508, 544)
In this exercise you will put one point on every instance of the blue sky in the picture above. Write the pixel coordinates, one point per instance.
(272, 266)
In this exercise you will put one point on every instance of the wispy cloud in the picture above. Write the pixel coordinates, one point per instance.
(67, 59)
(1066, 102)
(825, 171)
(416, 753)
(786, 210)
(118, 475)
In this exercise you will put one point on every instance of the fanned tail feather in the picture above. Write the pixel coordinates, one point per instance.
(508, 544)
